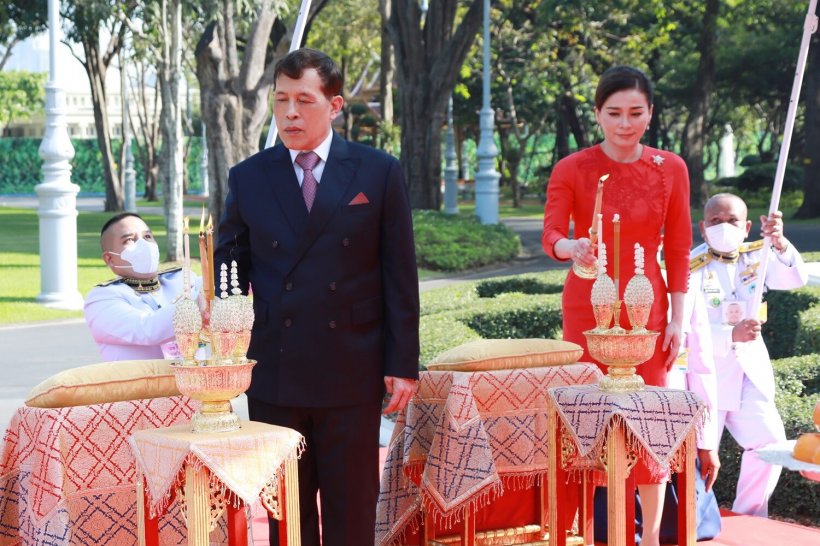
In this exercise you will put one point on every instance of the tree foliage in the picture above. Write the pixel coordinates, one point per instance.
(19, 19)
(22, 94)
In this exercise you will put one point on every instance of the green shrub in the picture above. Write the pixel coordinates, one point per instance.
(761, 176)
(782, 328)
(449, 298)
(798, 390)
(450, 242)
(456, 314)
(523, 284)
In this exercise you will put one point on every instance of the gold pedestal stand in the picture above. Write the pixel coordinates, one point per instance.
(621, 351)
(215, 387)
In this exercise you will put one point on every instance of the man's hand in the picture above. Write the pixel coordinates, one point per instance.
(772, 227)
(672, 340)
(746, 330)
(709, 466)
(400, 390)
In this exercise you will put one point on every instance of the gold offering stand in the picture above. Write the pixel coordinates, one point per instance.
(226, 373)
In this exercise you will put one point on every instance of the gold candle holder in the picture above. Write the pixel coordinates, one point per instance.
(215, 387)
(187, 325)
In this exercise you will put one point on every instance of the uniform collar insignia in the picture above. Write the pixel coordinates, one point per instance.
(724, 257)
(142, 286)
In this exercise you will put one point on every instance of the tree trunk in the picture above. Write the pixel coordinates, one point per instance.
(234, 93)
(695, 134)
(148, 134)
(171, 160)
(386, 73)
(96, 67)
(427, 61)
(811, 193)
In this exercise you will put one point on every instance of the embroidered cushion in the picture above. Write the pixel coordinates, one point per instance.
(504, 354)
(105, 382)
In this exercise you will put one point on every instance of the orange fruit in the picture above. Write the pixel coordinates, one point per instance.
(807, 447)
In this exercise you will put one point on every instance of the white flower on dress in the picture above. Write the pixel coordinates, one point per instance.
(658, 159)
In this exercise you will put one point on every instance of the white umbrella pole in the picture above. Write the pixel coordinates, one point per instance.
(298, 32)
(809, 27)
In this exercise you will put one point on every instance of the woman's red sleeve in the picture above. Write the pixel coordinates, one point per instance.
(558, 209)
(677, 229)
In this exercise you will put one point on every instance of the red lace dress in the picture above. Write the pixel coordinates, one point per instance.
(652, 197)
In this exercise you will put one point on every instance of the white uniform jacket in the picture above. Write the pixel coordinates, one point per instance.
(130, 326)
(700, 376)
(714, 282)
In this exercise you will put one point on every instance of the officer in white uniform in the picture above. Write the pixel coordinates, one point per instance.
(724, 273)
(131, 316)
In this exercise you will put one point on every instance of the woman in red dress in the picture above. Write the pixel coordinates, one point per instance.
(649, 189)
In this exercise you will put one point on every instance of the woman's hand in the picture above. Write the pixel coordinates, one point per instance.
(672, 341)
(581, 252)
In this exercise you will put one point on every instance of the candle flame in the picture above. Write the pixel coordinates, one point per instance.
(616, 218)
(603, 178)
(202, 222)
(185, 227)
(210, 226)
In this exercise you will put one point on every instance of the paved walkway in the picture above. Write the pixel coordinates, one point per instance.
(43, 349)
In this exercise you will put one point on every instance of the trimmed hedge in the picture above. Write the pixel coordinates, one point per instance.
(22, 167)
(783, 327)
(453, 242)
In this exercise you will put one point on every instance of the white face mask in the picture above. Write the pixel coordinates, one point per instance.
(725, 237)
(142, 255)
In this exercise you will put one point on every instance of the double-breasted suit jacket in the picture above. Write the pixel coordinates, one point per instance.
(335, 291)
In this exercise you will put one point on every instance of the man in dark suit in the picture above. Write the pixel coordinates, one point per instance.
(321, 230)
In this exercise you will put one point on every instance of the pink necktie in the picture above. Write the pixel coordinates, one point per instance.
(308, 160)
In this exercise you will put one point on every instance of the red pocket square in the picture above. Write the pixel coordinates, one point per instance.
(360, 199)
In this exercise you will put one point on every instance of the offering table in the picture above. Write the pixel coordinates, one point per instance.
(67, 474)
(466, 442)
(593, 430)
(216, 472)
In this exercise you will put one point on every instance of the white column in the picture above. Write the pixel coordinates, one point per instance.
(129, 174)
(57, 195)
(486, 178)
(450, 169)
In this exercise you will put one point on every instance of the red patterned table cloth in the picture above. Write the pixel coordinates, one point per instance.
(462, 436)
(67, 475)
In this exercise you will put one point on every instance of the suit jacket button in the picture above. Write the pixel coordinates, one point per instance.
(345, 242)
(288, 286)
(332, 324)
(333, 286)
(275, 244)
(288, 322)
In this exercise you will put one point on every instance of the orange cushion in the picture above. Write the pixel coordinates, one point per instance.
(505, 354)
(105, 382)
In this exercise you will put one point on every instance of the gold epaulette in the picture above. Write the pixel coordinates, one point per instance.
(699, 261)
(170, 270)
(109, 282)
(749, 247)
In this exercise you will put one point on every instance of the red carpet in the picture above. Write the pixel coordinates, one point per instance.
(737, 530)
